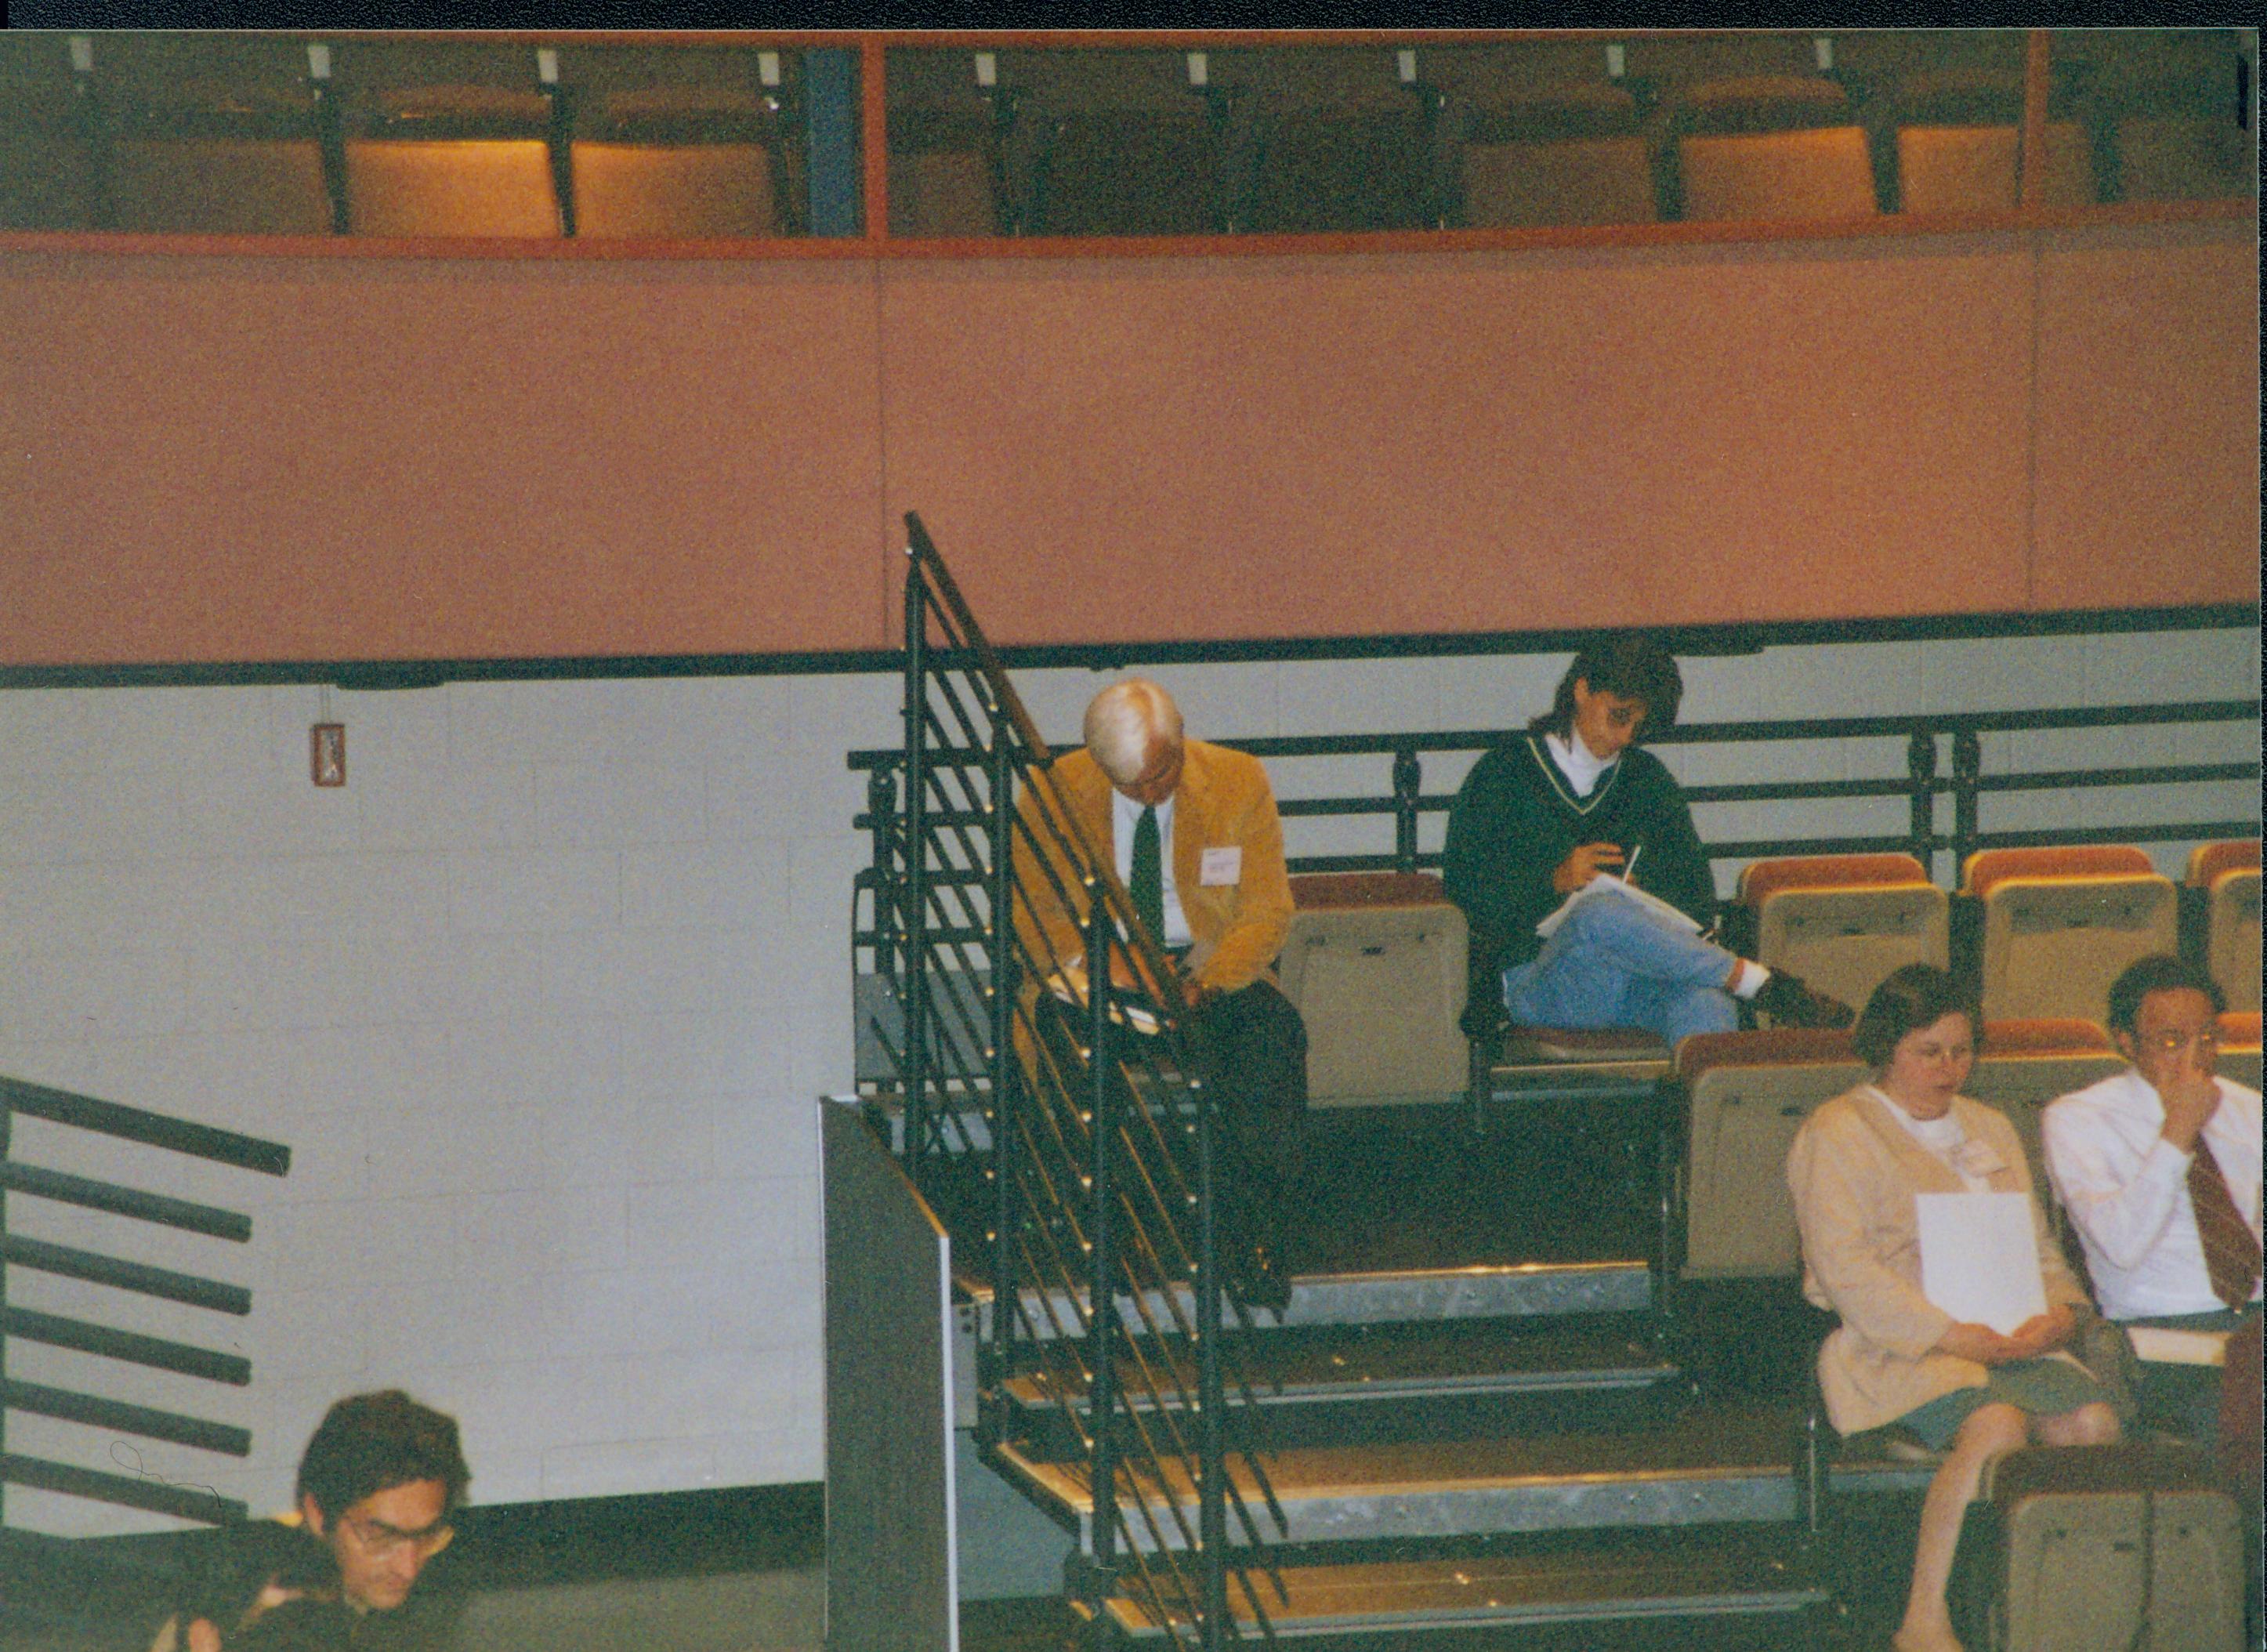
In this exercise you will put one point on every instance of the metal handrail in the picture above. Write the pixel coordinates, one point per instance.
(18, 1097)
(1098, 1207)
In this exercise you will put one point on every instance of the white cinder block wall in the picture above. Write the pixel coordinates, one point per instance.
(542, 999)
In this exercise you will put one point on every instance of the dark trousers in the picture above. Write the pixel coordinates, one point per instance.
(1259, 1048)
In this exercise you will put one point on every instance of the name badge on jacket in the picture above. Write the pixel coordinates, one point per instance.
(1221, 869)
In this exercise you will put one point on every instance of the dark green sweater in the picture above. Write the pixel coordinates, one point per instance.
(1516, 817)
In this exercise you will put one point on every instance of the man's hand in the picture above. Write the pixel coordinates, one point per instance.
(1584, 863)
(2186, 1087)
(1980, 1343)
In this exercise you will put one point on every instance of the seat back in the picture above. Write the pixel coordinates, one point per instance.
(1845, 921)
(450, 159)
(1576, 154)
(215, 134)
(2027, 1063)
(1375, 963)
(1959, 142)
(1776, 147)
(2060, 924)
(1747, 1095)
(2238, 1047)
(2228, 873)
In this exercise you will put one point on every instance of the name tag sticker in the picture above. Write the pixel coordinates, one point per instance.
(1221, 867)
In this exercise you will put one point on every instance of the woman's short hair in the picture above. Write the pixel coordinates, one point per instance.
(368, 1443)
(1631, 664)
(1123, 721)
(1918, 996)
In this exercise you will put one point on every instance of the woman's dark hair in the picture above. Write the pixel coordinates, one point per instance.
(373, 1442)
(1631, 664)
(1918, 996)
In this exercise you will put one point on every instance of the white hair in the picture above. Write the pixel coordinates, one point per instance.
(1124, 721)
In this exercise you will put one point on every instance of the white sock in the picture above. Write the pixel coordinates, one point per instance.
(1752, 977)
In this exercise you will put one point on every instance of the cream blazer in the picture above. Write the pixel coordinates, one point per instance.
(1853, 1170)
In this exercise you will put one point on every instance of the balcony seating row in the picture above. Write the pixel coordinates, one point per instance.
(1376, 961)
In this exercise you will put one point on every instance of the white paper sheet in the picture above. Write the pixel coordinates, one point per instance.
(2160, 1345)
(1606, 884)
(1979, 1261)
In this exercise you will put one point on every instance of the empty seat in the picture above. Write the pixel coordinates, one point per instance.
(1843, 922)
(446, 138)
(1770, 147)
(1576, 154)
(942, 153)
(2238, 1047)
(2172, 137)
(46, 164)
(1375, 963)
(1341, 143)
(1959, 145)
(2227, 875)
(1122, 143)
(2060, 923)
(685, 161)
(1747, 1094)
(214, 134)
(2027, 1063)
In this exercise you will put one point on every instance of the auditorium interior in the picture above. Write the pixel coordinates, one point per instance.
(536, 565)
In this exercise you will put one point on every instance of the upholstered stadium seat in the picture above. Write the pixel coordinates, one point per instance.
(1571, 154)
(1843, 922)
(1123, 144)
(46, 165)
(1746, 1093)
(451, 160)
(2060, 923)
(1340, 143)
(2228, 876)
(1959, 145)
(2238, 1047)
(215, 134)
(2027, 1063)
(687, 161)
(1770, 147)
(1375, 963)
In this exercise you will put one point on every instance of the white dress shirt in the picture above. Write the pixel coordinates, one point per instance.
(2126, 1190)
(1124, 815)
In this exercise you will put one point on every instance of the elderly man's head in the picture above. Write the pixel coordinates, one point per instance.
(1133, 732)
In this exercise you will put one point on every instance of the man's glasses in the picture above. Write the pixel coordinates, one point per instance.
(2174, 1043)
(381, 1541)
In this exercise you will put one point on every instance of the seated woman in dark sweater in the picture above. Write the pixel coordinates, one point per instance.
(1575, 798)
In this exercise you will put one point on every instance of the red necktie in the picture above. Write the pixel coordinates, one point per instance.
(2231, 1250)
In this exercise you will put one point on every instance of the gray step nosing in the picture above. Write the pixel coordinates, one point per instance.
(1720, 1604)
(1357, 1389)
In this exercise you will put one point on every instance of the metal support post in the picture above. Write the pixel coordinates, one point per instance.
(913, 914)
(1101, 1324)
(1407, 775)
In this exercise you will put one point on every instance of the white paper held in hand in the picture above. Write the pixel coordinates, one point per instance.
(1607, 883)
(1979, 1261)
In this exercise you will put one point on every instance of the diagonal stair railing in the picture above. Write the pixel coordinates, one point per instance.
(1075, 1131)
(19, 1180)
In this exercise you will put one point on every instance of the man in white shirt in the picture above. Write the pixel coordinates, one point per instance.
(2159, 1170)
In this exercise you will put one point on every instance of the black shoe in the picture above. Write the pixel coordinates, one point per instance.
(1258, 1279)
(1789, 1003)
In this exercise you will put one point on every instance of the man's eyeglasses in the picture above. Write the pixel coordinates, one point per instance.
(381, 1541)
(2174, 1043)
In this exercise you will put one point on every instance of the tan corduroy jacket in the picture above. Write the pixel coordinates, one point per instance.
(1853, 1170)
(1223, 801)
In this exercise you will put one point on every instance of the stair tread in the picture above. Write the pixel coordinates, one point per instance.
(1358, 1364)
(1675, 1572)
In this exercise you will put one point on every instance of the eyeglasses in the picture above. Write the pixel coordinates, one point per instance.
(2174, 1043)
(382, 1542)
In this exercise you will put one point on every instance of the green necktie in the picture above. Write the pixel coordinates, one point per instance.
(1149, 879)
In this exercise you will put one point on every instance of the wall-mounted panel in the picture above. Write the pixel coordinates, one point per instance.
(2148, 469)
(271, 459)
(1111, 450)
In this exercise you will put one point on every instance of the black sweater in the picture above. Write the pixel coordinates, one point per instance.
(1516, 817)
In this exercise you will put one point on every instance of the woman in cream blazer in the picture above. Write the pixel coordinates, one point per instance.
(1855, 1167)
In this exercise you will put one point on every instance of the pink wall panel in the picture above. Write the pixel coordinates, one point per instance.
(2148, 471)
(262, 460)
(1339, 445)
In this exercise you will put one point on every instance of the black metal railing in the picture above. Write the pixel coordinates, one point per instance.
(21, 1100)
(1929, 739)
(1054, 1102)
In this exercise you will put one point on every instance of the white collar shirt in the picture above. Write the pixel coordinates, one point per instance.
(1124, 815)
(2126, 1188)
(1575, 762)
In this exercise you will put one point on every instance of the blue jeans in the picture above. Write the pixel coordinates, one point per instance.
(1614, 964)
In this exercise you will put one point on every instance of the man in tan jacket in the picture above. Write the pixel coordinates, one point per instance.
(1192, 833)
